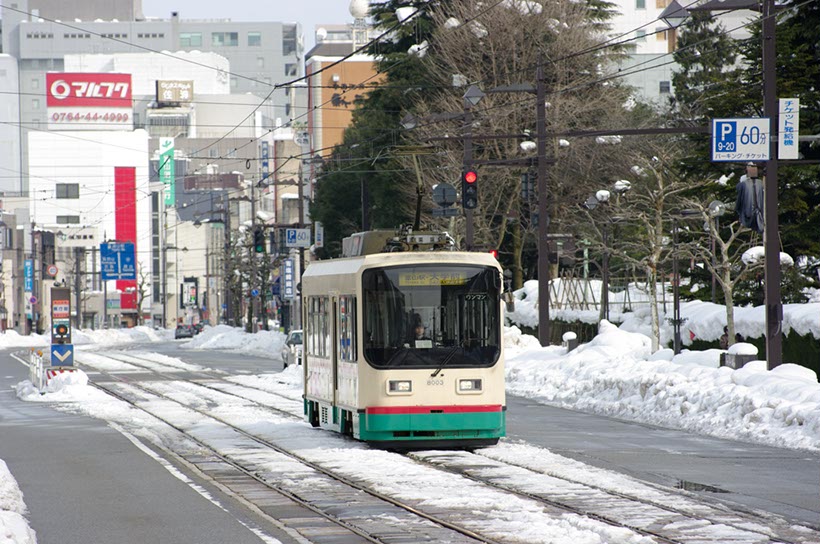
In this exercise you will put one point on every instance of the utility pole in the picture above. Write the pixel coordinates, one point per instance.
(301, 194)
(771, 230)
(77, 296)
(543, 217)
(252, 256)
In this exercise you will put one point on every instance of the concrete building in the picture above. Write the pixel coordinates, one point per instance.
(39, 33)
(651, 42)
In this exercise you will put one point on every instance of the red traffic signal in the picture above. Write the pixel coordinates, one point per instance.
(469, 189)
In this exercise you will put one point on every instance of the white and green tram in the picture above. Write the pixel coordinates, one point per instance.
(370, 373)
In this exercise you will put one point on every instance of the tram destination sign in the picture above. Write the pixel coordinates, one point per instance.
(740, 140)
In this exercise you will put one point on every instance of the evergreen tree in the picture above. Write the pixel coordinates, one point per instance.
(362, 170)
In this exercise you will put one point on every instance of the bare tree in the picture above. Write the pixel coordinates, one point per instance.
(729, 267)
(647, 217)
(143, 289)
(500, 48)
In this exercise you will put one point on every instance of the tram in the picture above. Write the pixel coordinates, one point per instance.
(403, 343)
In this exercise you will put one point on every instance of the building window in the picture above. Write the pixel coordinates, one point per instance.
(290, 69)
(288, 39)
(660, 34)
(68, 190)
(224, 39)
(260, 62)
(640, 35)
(190, 39)
(234, 83)
(640, 4)
(665, 87)
(660, 4)
(35, 103)
(68, 219)
(254, 39)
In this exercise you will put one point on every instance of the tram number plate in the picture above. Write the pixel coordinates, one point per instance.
(435, 382)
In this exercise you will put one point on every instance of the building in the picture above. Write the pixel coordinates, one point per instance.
(40, 33)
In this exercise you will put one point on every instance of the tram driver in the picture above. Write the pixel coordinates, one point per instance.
(418, 334)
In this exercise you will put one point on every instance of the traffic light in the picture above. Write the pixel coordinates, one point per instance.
(469, 189)
(259, 239)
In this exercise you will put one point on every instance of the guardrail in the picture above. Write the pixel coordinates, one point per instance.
(36, 369)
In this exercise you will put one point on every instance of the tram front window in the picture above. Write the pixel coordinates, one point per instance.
(429, 316)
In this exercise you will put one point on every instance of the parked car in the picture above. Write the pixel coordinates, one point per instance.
(184, 331)
(292, 350)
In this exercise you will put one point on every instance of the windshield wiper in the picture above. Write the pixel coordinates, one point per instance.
(450, 355)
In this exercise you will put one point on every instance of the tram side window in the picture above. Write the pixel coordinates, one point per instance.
(347, 328)
(318, 333)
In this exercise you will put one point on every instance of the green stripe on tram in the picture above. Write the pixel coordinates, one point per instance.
(432, 426)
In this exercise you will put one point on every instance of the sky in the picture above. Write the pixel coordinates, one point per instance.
(308, 13)
(638, 385)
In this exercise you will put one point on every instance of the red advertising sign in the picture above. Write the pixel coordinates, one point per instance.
(88, 90)
(93, 101)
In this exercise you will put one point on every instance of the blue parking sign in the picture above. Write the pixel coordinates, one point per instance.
(743, 139)
(726, 134)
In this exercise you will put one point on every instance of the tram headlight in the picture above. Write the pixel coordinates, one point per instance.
(399, 386)
(469, 386)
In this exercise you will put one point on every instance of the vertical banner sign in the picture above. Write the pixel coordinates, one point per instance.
(788, 131)
(289, 279)
(28, 275)
(166, 168)
(319, 235)
(265, 161)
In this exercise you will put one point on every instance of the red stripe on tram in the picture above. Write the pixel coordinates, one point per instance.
(429, 409)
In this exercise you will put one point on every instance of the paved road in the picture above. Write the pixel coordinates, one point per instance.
(785, 482)
(85, 482)
(781, 481)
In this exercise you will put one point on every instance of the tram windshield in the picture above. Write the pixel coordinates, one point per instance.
(431, 316)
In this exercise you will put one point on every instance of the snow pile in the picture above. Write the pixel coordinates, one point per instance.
(13, 526)
(223, 337)
(614, 375)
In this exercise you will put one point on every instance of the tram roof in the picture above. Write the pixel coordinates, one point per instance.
(351, 265)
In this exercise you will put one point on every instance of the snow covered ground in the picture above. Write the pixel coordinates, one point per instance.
(614, 374)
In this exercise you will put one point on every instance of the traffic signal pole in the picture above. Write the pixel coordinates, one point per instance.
(468, 164)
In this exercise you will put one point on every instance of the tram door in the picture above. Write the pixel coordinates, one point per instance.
(334, 350)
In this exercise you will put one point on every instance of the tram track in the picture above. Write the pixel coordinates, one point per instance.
(663, 522)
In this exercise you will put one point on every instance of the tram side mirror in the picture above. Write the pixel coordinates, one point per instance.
(509, 300)
(507, 296)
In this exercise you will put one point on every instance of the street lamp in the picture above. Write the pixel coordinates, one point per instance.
(771, 233)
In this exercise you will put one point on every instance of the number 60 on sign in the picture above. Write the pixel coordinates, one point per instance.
(740, 140)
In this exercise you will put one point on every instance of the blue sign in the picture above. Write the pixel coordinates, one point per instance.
(289, 279)
(28, 274)
(254, 292)
(118, 261)
(735, 140)
(265, 161)
(62, 354)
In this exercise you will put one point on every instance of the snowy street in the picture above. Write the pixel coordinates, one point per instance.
(611, 376)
